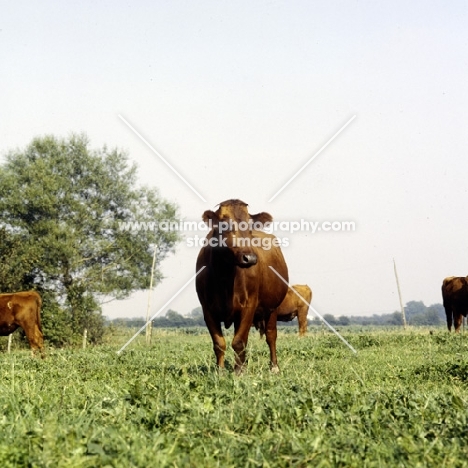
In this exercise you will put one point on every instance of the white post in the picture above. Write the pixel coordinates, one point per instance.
(9, 342)
(148, 322)
(399, 295)
(85, 335)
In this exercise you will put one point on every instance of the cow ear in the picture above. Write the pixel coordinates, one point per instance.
(262, 217)
(210, 218)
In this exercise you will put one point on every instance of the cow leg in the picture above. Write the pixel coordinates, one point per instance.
(448, 314)
(239, 344)
(219, 343)
(39, 339)
(35, 338)
(458, 318)
(271, 334)
(302, 319)
(40, 342)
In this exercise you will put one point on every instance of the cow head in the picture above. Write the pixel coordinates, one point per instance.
(232, 227)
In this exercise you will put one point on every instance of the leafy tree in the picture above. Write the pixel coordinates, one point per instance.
(432, 317)
(17, 259)
(56, 323)
(439, 310)
(63, 207)
(197, 312)
(429, 317)
(175, 318)
(414, 308)
(330, 318)
(395, 318)
(419, 314)
(343, 320)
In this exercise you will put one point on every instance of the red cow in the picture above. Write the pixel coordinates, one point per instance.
(293, 306)
(22, 309)
(237, 285)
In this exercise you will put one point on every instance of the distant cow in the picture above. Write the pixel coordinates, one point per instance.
(455, 298)
(22, 309)
(237, 286)
(293, 306)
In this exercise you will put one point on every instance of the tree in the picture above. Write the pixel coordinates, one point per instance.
(440, 311)
(176, 319)
(330, 318)
(395, 318)
(17, 259)
(343, 320)
(66, 207)
(414, 308)
(197, 312)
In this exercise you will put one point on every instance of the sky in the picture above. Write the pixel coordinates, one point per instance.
(238, 96)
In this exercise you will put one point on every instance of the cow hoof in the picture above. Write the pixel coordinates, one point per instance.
(239, 371)
(274, 369)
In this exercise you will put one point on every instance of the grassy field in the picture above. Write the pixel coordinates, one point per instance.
(402, 401)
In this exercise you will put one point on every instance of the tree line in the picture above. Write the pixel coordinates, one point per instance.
(416, 313)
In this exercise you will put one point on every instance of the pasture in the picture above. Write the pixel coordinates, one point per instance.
(402, 401)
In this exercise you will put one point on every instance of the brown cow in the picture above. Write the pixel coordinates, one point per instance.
(455, 298)
(22, 309)
(293, 306)
(236, 285)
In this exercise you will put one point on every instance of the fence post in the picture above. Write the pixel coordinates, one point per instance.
(403, 316)
(85, 335)
(148, 322)
(9, 342)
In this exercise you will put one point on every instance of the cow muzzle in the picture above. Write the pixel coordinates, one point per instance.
(246, 260)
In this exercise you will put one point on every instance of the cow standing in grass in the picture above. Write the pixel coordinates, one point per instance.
(237, 285)
(22, 309)
(294, 306)
(455, 299)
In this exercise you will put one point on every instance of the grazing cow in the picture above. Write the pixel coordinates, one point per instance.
(22, 309)
(455, 298)
(236, 285)
(293, 306)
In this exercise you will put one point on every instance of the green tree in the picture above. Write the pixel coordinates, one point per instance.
(175, 319)
(55, 319)
(68, 206)
(395, 318)
(414, 308)
(17, 259)
(197, 312)
(343, 320)
(330, 318)
(439, 310)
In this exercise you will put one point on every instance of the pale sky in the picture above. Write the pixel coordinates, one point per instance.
(237, 96)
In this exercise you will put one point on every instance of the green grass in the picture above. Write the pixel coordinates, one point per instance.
(402, 401)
